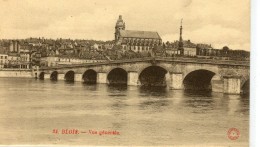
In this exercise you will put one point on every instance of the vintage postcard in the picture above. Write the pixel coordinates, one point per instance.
(125, 72)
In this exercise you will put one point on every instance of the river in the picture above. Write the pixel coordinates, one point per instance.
(36, 112)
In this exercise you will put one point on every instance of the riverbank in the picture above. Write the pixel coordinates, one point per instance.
(21, 73)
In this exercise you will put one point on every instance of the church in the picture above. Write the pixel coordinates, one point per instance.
(137, 41)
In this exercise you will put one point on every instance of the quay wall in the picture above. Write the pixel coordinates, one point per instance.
(19, 73)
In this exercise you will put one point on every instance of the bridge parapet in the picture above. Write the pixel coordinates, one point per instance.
(156, 59)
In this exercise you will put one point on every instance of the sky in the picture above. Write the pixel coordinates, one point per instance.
(216, 22)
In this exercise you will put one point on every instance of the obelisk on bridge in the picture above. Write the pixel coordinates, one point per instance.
(180, 45)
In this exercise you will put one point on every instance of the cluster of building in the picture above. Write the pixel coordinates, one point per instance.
(25, 53)
(127, 44)
(14, 55)
(151, 42)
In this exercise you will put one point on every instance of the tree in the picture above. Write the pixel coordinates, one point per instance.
(225, 48)
(117, 47)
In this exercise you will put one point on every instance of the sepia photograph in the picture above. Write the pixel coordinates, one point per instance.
(125, 73)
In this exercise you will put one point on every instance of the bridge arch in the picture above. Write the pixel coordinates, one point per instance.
(198, 79)
(54, 76)
(245, 86)
(153, 76)
(90, 76)
(141, 67)
(41, 75)
(117, 76)
(69, 76)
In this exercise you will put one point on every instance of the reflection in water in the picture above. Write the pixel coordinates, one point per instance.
(194, 92)
(233, 103)
(117, 87)
(202, 100)
(153, 90)
(237, 104)
(70, 82)
(153, 97)
(31, 109)
(89, 87)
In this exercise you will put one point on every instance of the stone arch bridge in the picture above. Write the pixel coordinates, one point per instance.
(225, 76)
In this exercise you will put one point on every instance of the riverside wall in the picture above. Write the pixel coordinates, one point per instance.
(19, 73)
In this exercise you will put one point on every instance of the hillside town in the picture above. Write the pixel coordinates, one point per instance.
(127, 44)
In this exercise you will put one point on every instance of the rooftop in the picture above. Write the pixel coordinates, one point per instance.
(139, 34)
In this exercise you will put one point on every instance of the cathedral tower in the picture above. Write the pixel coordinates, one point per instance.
(120, 25)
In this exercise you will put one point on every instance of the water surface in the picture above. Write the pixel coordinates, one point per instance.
(31, 109)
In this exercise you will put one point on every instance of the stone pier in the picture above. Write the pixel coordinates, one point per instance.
(232, 84)
(217, 83)
(176, 81)
(47, 76)
(60, 77)
(101, 78)
(132, 78)
(78, 78)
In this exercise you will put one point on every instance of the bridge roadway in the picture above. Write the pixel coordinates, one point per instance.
(227, 76)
